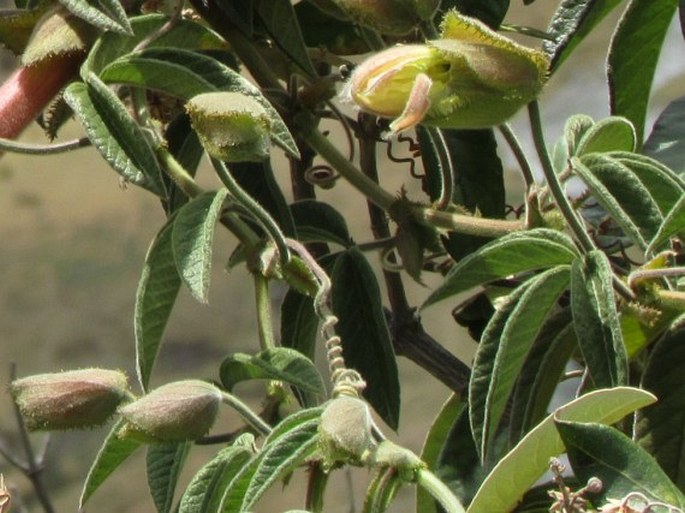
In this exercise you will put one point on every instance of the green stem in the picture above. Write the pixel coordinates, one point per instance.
(178, 173)
(446, 169)
(374, 192)
(42, 149)
(428, 30)
(519, 154)
(254, 208)
(562, 202)
(264, 322)
(466, 224)
(246, 413)
(439, 491)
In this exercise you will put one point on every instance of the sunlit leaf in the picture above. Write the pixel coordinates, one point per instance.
(516, 472)
(609, 134)
(192, 238)
(164, 464)
(103, 14)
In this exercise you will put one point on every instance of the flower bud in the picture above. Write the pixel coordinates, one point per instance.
(396, 17)
(469, 78)
(232, 126)
(183, 410)
(345, 431)
(69, 400)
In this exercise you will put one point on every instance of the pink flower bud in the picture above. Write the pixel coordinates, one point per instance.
(69, 400)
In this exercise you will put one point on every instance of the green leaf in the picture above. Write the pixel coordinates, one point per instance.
(596, 320)
(317, 221)
(204, 492)
(509, 255)
(299, 323)
(280, 22)
(187, 34)
(322, 30)
(622, 194)
(621, 465)
(184, 145)
(522, 327)
(663, 185)
(192, 238)
(193, 73)
(541, 374)
(16, 27)
(673, 225)
(516, 472)
(155, 298)
(610, 134)
(571, 23)
(103, 14)
(365, 338)
(113, 452)
(666, 143)
(433, 444)
(575, 129)
(164, 464)
(279, 363)
(117, 137)
(660, 428)
(293, 440)
(634, 53)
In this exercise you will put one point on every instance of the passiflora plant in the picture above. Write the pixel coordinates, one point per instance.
(585, 285)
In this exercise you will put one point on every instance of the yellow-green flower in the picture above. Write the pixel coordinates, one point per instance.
(471, 77)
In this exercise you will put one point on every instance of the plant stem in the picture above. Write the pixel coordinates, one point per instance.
(254, 208)
(439, 491)
(42, 149)
(178, 173)
(519, 154)
(562, 202)
(264, 322)
(246, 413)
(376, 194)
(560, 198)
(446, 169)
(466, 224)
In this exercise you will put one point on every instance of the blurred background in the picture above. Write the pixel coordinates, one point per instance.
(73, 242)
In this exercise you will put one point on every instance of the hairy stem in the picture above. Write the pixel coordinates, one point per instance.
(264, 322)
(246, 413)
(42, 149)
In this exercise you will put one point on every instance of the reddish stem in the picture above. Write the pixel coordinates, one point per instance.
(29, 89)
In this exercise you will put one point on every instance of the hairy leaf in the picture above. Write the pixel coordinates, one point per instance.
(633, 57)
(113, 452)
(596, 320)
(610, 134)
(293, 440)
(490, 12)
(674, 224)
(516, 472)
(622, 194)
(193, 73)
(156, 295)
(204, 492)
(571, 23)
(187, 34)
(117, 137)
(660, 428)
(103, 14)
(509, 255)
(164, 464)
(621, 465)
(666, 143)
(365, 338)
(518, 335)
(279, 363)
(192, 238)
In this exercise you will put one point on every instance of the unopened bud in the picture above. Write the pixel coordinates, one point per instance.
(232, 126)
(183, 410)
(345, 431)
(469, 78)
(69, 400)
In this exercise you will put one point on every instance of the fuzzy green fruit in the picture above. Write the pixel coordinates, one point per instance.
(232, 126)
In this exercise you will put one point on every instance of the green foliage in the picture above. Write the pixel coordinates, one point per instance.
(561, 285)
